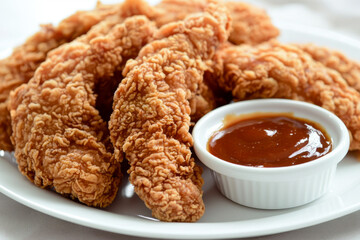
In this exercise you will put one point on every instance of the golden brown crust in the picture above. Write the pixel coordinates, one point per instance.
(284, 71)
(60, 139)
(349, 69)
(151, 117)
(20, 66)
(251, 25)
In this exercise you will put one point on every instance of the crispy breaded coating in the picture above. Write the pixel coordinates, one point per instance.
(151, 118)
(284, 71)
(20, 66)
(250, 24)
(349, 69)
(60, 139)
(174, 10)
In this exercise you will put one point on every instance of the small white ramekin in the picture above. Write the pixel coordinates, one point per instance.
(279, 187)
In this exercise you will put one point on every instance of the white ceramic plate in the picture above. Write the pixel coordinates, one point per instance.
(223, 218)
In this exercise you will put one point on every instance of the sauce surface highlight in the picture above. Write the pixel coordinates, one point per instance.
(269, 140)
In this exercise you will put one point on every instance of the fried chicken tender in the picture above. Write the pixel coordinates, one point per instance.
(277, 70)
(250, 24)
(20, 66)
(151, 118)
(349, 69)
(174, 10)
(60, 140)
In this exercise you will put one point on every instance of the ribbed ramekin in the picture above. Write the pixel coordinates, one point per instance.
(276, 187)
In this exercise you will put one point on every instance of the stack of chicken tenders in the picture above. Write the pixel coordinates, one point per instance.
(128, 81)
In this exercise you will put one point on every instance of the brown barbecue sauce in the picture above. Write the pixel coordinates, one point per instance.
(269, 140)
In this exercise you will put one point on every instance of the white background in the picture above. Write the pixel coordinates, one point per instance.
(20, 18)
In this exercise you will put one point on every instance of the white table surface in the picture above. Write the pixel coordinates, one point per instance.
(20, 18)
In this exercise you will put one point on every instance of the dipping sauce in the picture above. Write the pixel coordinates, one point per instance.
(269, 140)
